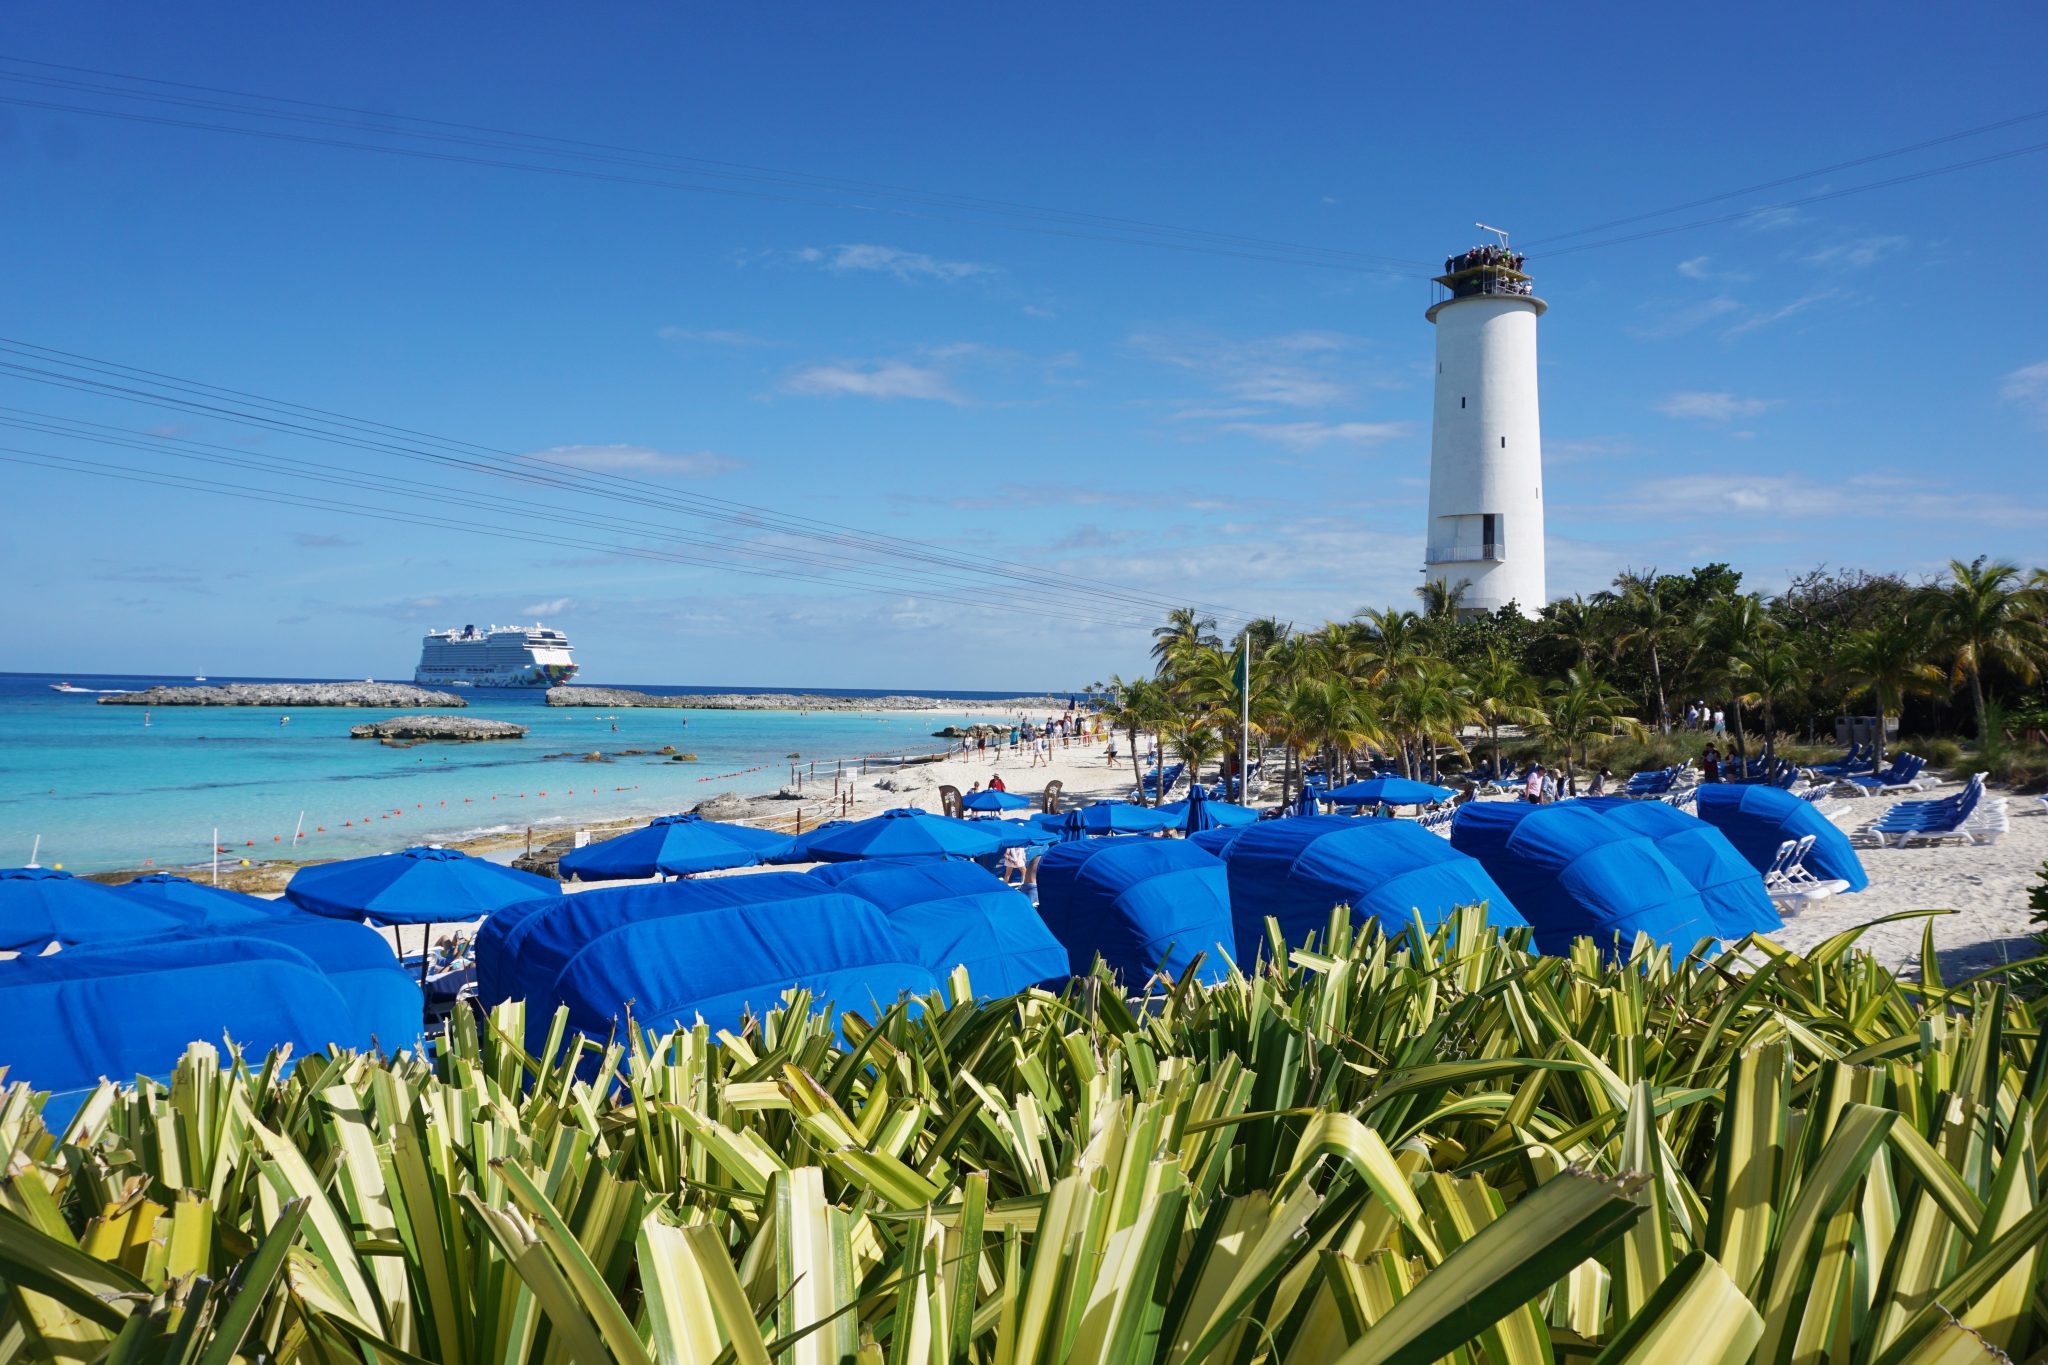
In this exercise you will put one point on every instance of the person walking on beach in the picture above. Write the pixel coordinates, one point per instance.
(1112, 753)
(1532, 785)
(1013, 862)
(1710, 764)
(1547, 791)
(1720, 721)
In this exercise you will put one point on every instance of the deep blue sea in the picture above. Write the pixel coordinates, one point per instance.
(104, 790)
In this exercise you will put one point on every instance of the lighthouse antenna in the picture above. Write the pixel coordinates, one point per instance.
(1498, 232)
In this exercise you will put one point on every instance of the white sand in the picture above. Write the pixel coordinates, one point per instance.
(1985, 886)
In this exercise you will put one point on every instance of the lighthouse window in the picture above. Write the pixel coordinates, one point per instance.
(1503, 443)
(1461, 402)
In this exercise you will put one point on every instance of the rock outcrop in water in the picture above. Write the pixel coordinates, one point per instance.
(394, 695)
(438, 727)
(613, 697)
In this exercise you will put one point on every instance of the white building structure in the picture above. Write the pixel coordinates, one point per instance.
(1486, 443)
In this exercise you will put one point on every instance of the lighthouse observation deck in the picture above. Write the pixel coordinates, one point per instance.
(1482, 272)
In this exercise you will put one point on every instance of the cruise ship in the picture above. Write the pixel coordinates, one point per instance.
(498, 656)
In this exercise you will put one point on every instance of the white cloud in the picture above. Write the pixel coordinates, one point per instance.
(714, 337)
(2028, 387)
(1712, 407)
(1789, 497)
(1305, 436)
(635, 459)
(1039, 311)
(1766, 317)
(314, 541)
(553, 606)
(1297, 370)
(1676, 322)
(887, 379)
(889, 260)
(1857, 253)
(1701, 268)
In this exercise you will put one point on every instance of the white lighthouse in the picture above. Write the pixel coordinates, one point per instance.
(1486, 444)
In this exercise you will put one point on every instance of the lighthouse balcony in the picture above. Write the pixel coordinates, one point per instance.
(1492, 552)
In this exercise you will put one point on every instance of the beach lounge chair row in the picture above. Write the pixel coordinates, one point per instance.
(1657, 781)
(1967, 816)
(1861, 758)
(1903, 774)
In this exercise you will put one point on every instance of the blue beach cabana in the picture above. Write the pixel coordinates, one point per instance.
(1199, 812)
(1144, 905)
(539, 937)
(200, 906)
(1111, 817)
(144, 1020)
(1571, 871)
(1732, 890)
(992, 800)
(1298, 869)
(958, 914)
(799, 850)
(723, 962)
(41, 905)
(673, 846)
(414, 886)
(1758, 819)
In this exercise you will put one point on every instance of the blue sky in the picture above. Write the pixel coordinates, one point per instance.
(1859, 381)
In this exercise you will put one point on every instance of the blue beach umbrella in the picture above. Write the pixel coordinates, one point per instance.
(41, 905)
(414, 886)
(1199, 812)
(200, 906)
(903, 834)
(1387, 791)
(673, 845)
(989, 799)
(799, 850)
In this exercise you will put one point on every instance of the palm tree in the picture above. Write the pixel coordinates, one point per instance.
(1503, 695)
(1442, 598)
(1766, 672)
(1648, 619)
(1332, 716)
(1983, 616)
(1135, 707)
(1578, 624)
(1723, 629)
(1185, 629)
(1389, 640)
(1888, 660)
(1193, 736)
(1426, 706)
(1581, 707)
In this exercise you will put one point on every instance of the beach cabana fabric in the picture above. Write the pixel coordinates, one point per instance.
(1218, 841)
(675, 846)
(382, 1003)
(1144, 905)
(721, 962)
(1115, 817)
(143, 1021)
(1387, 791)
(1571, 871)
(902, 833)
(41, 905)
(204, 907)
(414, 886)
(1757, 819)
(525, 961)
(1732, 889)
(1298, 869)
(958, 914)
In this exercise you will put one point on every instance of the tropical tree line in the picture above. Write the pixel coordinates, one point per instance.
(1435, 688)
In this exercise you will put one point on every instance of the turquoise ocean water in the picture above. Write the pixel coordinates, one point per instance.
(105, 791)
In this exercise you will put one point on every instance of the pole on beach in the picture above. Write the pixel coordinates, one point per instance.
(216, 855)
(298, 829)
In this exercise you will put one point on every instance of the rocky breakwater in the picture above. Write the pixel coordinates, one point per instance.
(438, 727)
(395, 696)
(613, 697)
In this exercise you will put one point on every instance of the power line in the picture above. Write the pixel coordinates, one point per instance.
(1003, 213)
(73, 371)
(1783, 181)
(516, 534)
(1821, 197)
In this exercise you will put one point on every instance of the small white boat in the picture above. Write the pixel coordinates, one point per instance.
(67, 687)
(199, 678)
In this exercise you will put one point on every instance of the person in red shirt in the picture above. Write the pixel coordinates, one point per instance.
(995, 783)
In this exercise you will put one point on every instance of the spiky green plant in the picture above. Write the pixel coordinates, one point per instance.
(1370, 1149)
